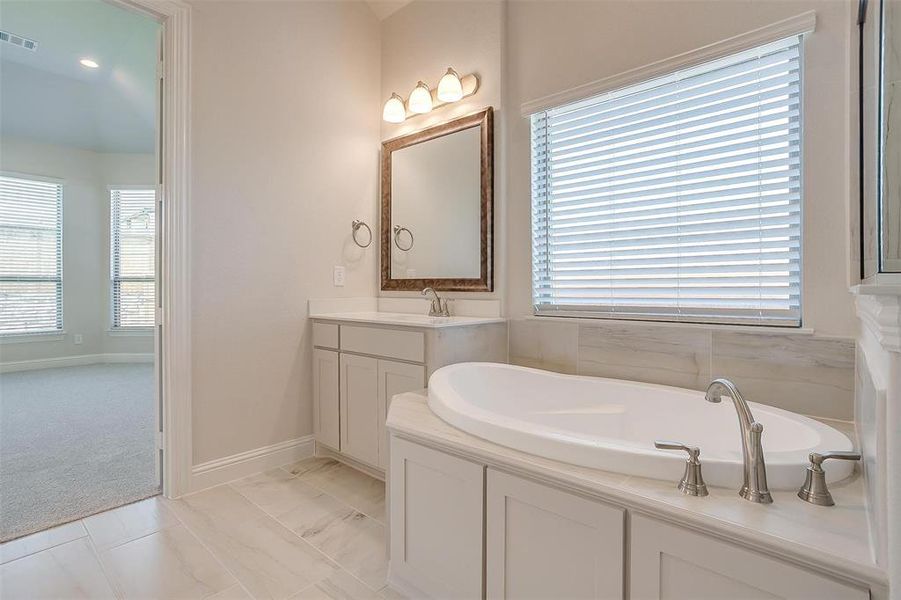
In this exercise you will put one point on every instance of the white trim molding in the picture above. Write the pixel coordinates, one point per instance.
(879, 310)
(74, 361)
(797, 25)
(229, 468)
(175, 251)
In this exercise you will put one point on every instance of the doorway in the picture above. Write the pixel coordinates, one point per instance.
(79, 261)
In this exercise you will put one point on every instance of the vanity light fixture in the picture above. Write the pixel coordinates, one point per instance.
(420, 99)
(394, 111)
(451, 88)
(87, 62)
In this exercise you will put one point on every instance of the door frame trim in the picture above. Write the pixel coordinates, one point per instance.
(175, 262)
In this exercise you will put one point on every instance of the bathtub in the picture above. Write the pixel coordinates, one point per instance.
(611, 424)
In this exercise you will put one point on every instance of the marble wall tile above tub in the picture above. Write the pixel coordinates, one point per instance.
(804, 374)
(664, 355)
(548, 344)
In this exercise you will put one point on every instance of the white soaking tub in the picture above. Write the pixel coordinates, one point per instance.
(611, 424)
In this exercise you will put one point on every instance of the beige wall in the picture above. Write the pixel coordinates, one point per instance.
(419, 42)
(553, 46)
(86, 176)
(285, 131)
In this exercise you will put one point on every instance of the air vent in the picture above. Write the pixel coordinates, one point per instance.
(17, 40)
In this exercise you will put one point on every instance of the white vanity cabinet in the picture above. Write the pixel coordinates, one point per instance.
(358, 367)
(542, 542)
(436, 522)
(668, 561)
(545, 541)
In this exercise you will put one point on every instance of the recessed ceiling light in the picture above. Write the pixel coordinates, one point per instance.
(87, 62)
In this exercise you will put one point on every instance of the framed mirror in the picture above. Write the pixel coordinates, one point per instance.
(437, 207)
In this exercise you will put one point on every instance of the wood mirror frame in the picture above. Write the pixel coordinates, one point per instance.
(483, 119)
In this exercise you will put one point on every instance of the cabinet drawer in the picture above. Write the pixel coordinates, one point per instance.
(391, 343)
(325, 335)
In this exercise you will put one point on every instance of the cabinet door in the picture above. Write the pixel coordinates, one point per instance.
(545, 543)
(360, 408)
(394, 378)
(672, 562)
(325, 397)
(436, 522)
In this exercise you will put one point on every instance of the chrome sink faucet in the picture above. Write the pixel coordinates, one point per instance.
(439, 305)
(754, 487)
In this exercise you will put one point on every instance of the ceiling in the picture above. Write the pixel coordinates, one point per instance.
(385, 8)
(47, 96)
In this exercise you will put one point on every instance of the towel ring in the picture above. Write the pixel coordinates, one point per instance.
(397, 231)
(356, 226)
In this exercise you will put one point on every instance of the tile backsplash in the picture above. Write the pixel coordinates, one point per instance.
(799, 372)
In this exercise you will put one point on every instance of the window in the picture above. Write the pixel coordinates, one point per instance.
(677, 199)
(132, 256)
(31, 270)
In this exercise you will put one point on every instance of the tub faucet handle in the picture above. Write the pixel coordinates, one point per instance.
(814, 489)
(692, 482)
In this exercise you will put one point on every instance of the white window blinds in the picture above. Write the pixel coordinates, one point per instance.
(31, 281)
(133, 253)
(677, 199)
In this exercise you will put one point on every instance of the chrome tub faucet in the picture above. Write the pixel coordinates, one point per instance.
(754, 487)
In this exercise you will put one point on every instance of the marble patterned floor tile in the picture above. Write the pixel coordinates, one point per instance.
(268, 559)
(362, 492)
(278, 492)
(340, 586)
(801, 373)
(129, 522)
(389, 593)
(42, 540)
(235, 592)
(170, 563)
(353, 540)
(69, 571)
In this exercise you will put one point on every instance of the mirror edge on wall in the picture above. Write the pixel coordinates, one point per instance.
(484, 119)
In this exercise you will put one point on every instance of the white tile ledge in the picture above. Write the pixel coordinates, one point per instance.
(834, 540)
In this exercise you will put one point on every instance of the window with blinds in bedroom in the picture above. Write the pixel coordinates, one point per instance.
(133, 257)
(676, 199)
(31, 256)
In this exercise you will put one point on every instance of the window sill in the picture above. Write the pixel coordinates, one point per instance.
(134, 332)
(28, 338)
(805, 331)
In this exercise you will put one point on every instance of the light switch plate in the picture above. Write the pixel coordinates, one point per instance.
(78, 338)
(338, 276)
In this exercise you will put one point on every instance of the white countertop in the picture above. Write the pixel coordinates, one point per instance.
(405, 319)
(835, 538)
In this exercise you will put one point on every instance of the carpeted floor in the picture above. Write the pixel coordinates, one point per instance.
(74, 441)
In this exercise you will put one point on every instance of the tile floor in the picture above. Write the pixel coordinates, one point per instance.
(311, 530)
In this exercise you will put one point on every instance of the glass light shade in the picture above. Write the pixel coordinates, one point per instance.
(420, 99)
(394, 111)
(450, 89)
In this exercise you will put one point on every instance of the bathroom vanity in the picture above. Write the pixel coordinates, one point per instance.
(362, 359)
(514, 525)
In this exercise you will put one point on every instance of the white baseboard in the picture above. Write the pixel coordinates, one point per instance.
(74, 361)
(236, 466)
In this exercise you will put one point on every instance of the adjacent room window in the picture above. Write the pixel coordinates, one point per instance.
(133, 256)
(31, 269)
(676, 199)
